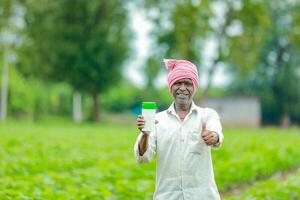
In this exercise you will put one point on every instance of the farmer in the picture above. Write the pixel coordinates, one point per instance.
(183, 138)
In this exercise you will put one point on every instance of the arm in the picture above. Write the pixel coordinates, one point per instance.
(213, 130)
(145, 145)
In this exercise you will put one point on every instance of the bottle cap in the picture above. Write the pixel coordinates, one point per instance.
(148, 105)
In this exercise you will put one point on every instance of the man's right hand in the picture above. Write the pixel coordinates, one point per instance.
(140, 123)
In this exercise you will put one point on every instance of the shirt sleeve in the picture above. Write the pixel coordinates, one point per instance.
(151, 149)
(212, 121)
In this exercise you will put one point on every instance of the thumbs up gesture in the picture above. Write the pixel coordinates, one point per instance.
(209, 137)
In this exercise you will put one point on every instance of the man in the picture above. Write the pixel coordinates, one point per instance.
(183, 137)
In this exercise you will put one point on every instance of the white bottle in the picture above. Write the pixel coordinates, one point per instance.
(148, 112)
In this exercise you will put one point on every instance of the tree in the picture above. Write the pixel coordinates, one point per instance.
(10, 14)
(181, 27)
(83, 43)
(184, 27)
(264, 57)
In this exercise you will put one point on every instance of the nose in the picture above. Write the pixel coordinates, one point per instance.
(182, 86)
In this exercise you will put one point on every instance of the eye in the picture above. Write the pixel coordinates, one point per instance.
(189, 83)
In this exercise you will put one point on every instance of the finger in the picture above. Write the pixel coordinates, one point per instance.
(207, 142)
(214, 139)
(207, 135)
(140, 119)
(140, 116)
(209, 139)
(140, 122)
(203, 127)
(140, 126)
(204, 133)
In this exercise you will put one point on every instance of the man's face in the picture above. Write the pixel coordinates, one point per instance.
(183, 91)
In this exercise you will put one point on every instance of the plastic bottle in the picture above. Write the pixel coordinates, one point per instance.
(148, 112)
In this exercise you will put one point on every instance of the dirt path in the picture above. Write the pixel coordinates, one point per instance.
(279, 176)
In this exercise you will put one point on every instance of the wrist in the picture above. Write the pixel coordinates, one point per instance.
(145, 132)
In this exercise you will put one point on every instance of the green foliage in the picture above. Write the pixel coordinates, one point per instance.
(181, 27)
(64, 161)
(153, 67)
(126, 97)
(264, 57)
(86, 43)
(82, 43)
(21, 93)
(120, 98)
(30, 98)
(274, 189)
(253, 151)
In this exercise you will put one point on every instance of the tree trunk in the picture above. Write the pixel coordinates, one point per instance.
(77, 111)
(209, 80)
(96, 108)
(220, 37)
(285, 120)
(4, 87)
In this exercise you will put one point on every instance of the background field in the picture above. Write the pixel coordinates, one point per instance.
(94, 62)
(64, 161)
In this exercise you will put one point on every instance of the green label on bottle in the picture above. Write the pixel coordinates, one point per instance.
(148, 105)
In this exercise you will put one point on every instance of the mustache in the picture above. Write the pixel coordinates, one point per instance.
(182, 93)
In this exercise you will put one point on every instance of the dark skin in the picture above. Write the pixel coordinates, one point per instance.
(183, 92)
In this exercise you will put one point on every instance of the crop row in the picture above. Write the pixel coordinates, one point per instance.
(96, 162)
(274, 189)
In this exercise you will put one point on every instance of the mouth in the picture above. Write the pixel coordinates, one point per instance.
(181, 95)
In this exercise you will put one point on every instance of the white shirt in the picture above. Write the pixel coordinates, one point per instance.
(184, 165)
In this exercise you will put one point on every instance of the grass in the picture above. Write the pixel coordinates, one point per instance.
(252, 154)
(66, 161)
(273, 189)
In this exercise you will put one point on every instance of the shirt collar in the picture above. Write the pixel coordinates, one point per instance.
(171, 109)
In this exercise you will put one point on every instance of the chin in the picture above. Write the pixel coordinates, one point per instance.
(183, 101)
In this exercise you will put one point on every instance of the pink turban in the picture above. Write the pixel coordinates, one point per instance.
(179, 69)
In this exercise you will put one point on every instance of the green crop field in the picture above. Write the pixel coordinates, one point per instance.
(274, 189)
(66, 161)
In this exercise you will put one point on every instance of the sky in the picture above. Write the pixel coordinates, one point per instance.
(142, 46)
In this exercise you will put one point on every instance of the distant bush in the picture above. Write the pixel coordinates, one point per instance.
(31, 98)
(128, 97)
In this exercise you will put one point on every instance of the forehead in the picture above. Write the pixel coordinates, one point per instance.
(184, 80)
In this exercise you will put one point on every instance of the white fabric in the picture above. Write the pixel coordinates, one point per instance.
(184, 166)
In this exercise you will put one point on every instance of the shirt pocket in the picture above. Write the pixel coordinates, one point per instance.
(196, 143)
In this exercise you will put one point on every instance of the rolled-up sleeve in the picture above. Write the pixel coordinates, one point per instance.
(212, 121)
(151, 149)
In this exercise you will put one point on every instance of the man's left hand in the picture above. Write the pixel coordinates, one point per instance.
(209, 137)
